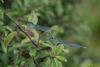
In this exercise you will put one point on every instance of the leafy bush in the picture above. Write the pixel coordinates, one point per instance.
(23, 46)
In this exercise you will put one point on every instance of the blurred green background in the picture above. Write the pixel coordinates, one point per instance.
(76, 20)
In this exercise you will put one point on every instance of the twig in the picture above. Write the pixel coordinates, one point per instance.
(19, 27)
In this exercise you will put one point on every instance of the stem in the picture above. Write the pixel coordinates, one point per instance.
(19, 27)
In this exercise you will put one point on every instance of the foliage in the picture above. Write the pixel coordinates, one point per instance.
(21, 46)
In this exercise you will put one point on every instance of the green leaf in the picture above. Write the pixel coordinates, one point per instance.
(45, 44)
(66, 51)
(26, 40)
(58, 63)
(61, 58)
(19, 3)
(32, 52)
(29, 63)
(57, 50)
(50, 62)
(4, 59)
(33, 18)
(46, 62)
(26, 3)
(59, 8)
(55, 63)
(4, 48)
(9, 38)
(8, 28)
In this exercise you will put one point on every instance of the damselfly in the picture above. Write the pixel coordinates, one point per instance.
(38, 27)
(58, 41)
(52, 37)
